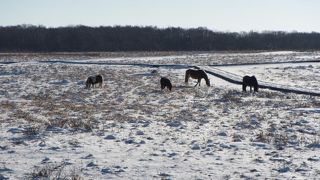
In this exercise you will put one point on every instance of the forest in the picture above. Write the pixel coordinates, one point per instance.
(31, 38)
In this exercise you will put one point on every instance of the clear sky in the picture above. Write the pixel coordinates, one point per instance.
(218, 15)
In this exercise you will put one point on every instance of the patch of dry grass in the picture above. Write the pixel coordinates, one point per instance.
(8, 105)
(55, 171)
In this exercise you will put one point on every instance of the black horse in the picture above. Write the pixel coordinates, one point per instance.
(197, 74)
(165, 82)
(250, 81)
(92, 80)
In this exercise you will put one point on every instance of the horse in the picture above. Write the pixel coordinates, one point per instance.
(197, 74)
(165, 82)
(250, 81)
(92, 80)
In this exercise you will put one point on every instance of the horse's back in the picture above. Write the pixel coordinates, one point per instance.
(245, 78)
(249, 79)
(165, 80)
(254, 79)
(194, 73)
(91, 79)
(203, 73)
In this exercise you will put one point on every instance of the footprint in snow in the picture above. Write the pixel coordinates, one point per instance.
(132, 141)
(89, 156)
(54, 148)
(195, 147)
(164, 175)
(45, 160)
(139, 133)
(92, 164)
(114, 170)
(110, 137)
(314, 158)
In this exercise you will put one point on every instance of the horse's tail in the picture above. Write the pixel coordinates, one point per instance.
(101, 84)
(256, 85)
(187, 76)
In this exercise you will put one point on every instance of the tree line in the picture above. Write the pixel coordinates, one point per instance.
(29, 38)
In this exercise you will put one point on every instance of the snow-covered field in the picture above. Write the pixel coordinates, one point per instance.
(129, 129)
(302, 75)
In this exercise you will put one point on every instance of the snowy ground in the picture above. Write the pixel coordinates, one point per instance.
(129, 129)
(302, 75)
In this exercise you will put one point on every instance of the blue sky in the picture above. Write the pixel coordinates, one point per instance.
(219, 15)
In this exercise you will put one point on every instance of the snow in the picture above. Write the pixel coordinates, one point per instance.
(299, 75)
(307, 110)
(130, 129)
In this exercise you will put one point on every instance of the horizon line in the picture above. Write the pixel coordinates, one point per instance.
(157, 27)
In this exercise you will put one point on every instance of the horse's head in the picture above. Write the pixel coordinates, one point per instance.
(254, 83)
(208, 82)
(205, 76)
(87, 84)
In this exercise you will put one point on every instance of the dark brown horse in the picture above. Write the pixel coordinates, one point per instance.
(250, 81)
(197, 74)
(165, 82)
(92, 80)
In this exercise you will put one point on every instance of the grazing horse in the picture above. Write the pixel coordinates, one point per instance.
(165, 82)
(250, 81)
(197, 74)
(92, 80)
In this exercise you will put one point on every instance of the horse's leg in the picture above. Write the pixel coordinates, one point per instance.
(244, 87)
(199, 81)
(250, 88)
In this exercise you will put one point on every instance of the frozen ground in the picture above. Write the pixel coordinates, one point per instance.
(129, 129)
